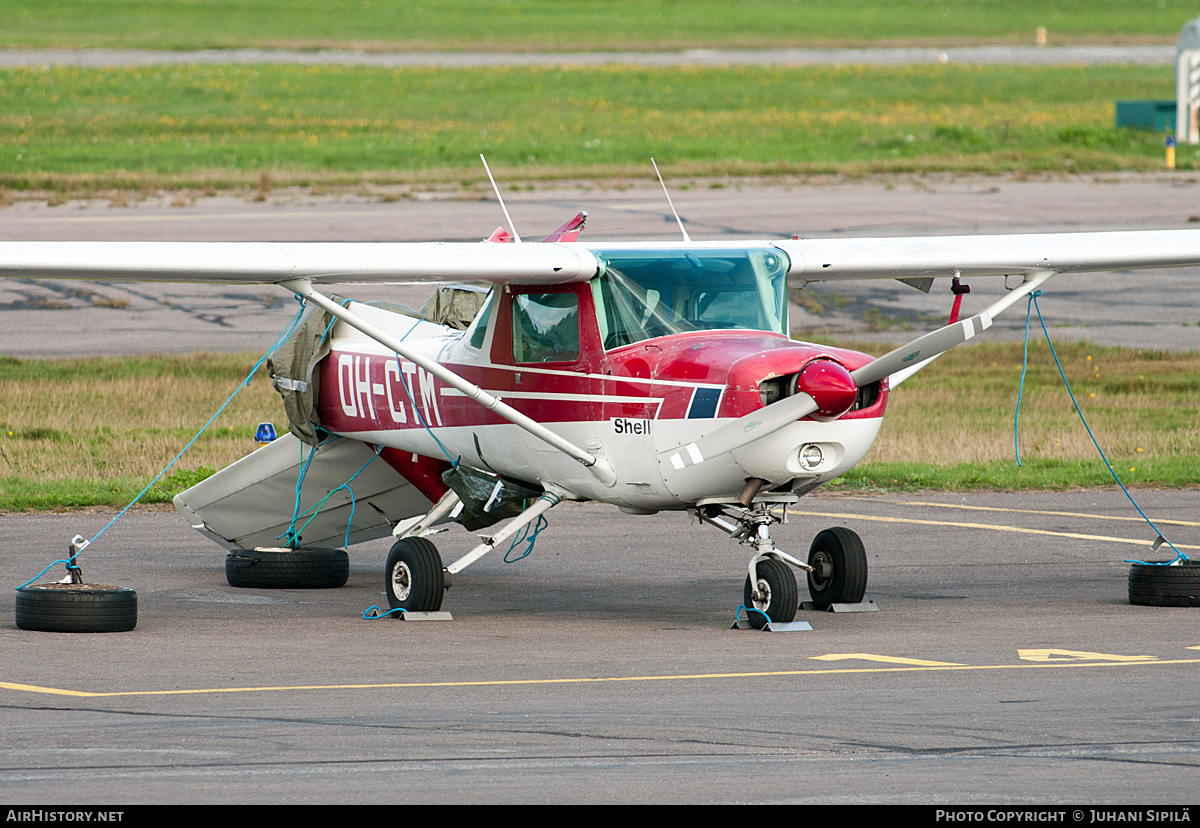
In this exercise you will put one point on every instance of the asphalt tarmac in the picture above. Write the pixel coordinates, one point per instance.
(1004, 665)
(1148, 54)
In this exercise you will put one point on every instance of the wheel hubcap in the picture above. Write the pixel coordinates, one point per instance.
(763, 590)
(822, 572)
(401, 581)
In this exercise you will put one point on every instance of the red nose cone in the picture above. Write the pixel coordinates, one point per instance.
(831, 386)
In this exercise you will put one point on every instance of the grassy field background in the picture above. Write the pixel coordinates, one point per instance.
(95, 431)
(582, 25)
(199, 127)
(193, 127)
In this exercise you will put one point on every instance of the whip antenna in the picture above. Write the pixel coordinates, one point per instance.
(678, 221)
(500, 198)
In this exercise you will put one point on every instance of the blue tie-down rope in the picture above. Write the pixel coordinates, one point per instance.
(371, 613)
(1032, 304)
(70, 562)
(737, 614)
(524, 536)
(1178, 560)
(293, 534)
(417, 410)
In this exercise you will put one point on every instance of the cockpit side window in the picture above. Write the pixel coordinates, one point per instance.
(545, 327)
(482, 320)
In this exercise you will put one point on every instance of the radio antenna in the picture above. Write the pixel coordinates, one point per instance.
(678, 221)
(500, 198)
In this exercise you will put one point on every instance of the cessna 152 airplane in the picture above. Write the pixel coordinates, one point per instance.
(650, 376)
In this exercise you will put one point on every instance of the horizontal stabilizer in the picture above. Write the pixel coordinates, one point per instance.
(251, 503)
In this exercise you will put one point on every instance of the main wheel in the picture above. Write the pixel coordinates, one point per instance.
(79, 608)
(778, 594)
(287, 568)
(415, 582)
(839, 564)
(1158, 585)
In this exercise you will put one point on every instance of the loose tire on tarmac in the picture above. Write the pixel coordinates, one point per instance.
(1158, 585)
(841, 568)
(313, 568)
(76, 608)
(782, 596)
(413, 577)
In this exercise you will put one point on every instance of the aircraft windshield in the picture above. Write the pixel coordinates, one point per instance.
(642, 294)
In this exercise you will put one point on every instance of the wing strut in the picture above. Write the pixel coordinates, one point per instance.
(597, 464)
(548, 500)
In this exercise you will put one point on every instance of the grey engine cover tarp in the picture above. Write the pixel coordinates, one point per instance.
(291, 368)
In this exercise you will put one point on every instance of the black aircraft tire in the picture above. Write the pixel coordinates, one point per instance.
(76, 608)
(841, 562)
(413, 578)
(313, 568)
(1157, 585)
(783, 596)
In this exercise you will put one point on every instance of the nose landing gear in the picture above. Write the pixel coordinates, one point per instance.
(836, 567)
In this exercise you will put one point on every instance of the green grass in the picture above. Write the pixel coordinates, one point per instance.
(85, 432)
(951, 426)
(205, 126)
(79, 433)
(1038, 474)
(582, 25)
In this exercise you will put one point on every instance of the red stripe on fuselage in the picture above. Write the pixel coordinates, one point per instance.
(654, 379)
(370, 392)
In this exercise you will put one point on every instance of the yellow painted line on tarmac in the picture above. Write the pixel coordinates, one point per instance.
(993, 526)
(1035, 512)
(1083, 655)
(1052, 665)
(918, 662)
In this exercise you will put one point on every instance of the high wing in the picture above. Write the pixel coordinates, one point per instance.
(923, 257)
(560, 262)
(317, 262)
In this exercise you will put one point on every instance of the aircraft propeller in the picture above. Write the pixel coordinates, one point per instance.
(825, 390)
(922, 349)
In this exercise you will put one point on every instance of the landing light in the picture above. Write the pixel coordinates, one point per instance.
(811, 456)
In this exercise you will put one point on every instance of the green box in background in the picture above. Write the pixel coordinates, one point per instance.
(1158, 116)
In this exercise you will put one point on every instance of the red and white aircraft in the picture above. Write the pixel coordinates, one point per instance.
(650, 376)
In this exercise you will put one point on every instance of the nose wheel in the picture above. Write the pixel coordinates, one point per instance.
(837, 561)
(774, 592)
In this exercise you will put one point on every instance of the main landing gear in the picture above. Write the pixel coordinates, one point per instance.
(415, 579)
(836, 567)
